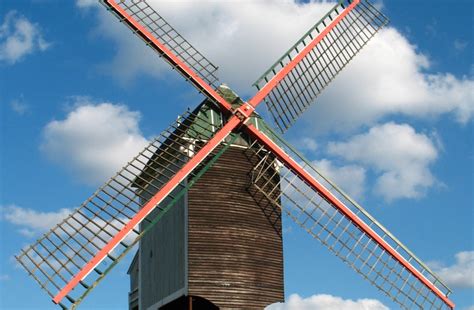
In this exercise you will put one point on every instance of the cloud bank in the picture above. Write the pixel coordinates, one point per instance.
(389, 77)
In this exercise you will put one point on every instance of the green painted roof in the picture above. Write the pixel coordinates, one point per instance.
(211, 115)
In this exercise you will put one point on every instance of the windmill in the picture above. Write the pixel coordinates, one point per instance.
(140, 200)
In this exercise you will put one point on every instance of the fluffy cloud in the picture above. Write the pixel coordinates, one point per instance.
(229, 33)
(94, 140)
(326, 302)
(18, 38)
(460, 274)
(389, 77)
(32, 222)
(244, 38)
(397, 153)
(350, 178)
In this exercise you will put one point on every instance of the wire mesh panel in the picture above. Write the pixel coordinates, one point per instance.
(147, 17)
(62, 252)
(338, 232)
(320, 63)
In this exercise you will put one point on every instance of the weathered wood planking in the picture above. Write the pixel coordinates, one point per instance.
(235, 254)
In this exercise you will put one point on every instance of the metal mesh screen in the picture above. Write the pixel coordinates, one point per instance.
(62, 252)
(325, 222)
(143, 13)
(300, 87)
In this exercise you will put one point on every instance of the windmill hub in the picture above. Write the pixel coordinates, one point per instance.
(244, 112)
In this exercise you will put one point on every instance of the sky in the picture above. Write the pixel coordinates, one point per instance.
(80, 95)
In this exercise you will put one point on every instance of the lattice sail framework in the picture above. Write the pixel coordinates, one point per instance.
(63, 252)
(146, 21)
(70, 259)
(341, 235)
(311, 64)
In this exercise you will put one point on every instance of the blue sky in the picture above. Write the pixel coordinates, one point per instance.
(395, 128)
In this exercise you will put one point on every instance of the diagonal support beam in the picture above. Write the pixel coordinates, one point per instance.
(290, 163)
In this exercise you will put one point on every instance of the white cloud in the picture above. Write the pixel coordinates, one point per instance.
(19, 106)
(244, 38)
(32, 222)
(306, 143)
(86, 3)
(389, 77)
(460, 274)
(397, 153)
(327, 302)
(94, 140)
(18, 38)
(350, 178)
(4, 277)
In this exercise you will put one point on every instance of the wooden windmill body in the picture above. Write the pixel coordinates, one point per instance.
(220, 247)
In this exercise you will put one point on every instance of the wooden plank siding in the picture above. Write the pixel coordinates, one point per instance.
(235, 257)
(162, 256)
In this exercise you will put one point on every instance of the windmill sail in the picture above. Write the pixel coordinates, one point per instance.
(345, 228)
(157, 33)
(108, 221)
(292, 84)
(69, 260)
